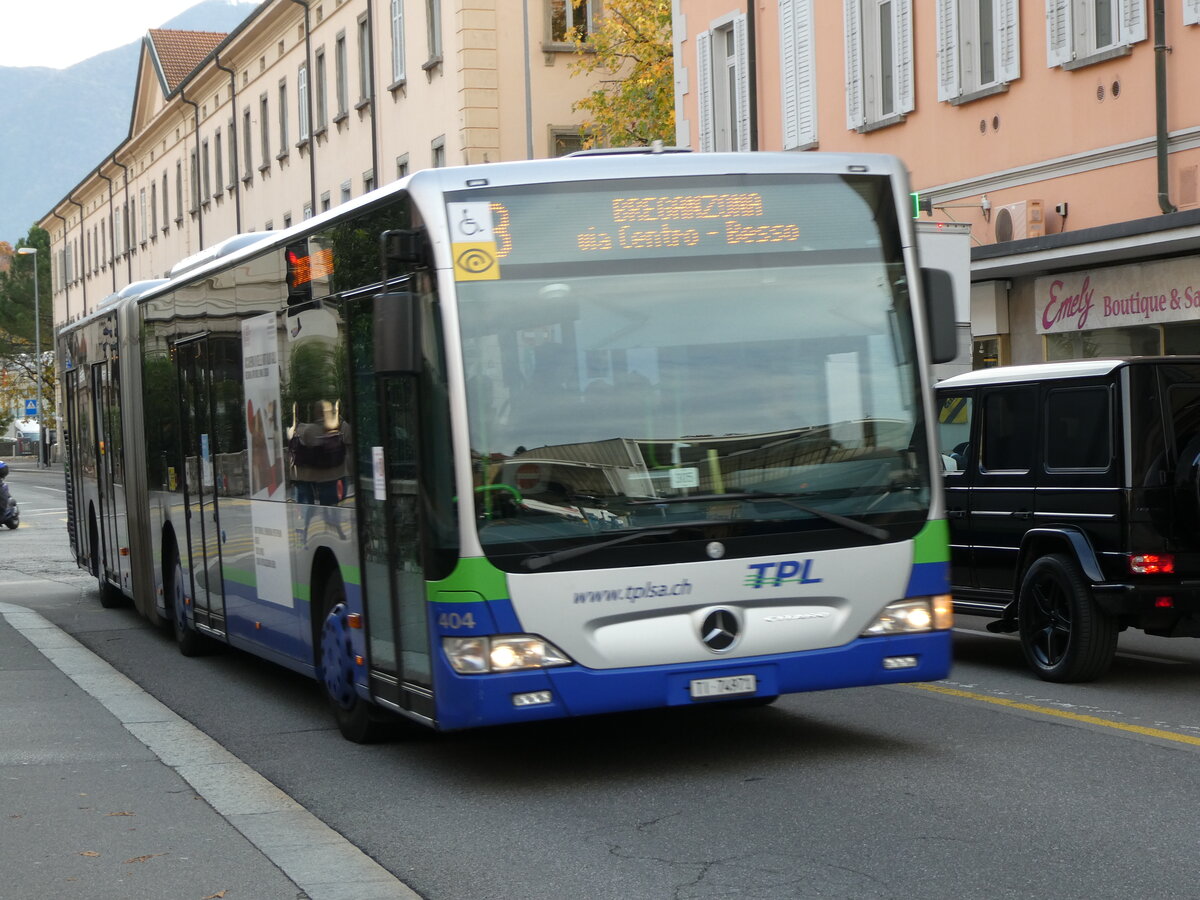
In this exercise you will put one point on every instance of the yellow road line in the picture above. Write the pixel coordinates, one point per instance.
(1063, 714)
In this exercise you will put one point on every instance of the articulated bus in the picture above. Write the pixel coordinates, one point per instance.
(512, 442)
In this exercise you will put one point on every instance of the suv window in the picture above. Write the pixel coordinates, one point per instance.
(1008, 419)
(1078, 428)
(954, 431)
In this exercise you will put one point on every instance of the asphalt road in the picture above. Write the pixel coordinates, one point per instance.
(991, 784)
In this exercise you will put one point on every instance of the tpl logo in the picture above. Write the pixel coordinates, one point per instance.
(788, 571)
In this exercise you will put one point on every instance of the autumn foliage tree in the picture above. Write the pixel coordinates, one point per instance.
(18, 361)
(634, 101)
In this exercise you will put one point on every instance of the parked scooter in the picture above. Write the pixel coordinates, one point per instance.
(10, 513)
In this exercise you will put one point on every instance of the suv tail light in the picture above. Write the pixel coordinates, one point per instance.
(1152, 563)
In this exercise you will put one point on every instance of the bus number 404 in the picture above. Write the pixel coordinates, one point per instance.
(455, 621)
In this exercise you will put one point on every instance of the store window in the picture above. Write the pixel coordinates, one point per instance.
(1103, 342)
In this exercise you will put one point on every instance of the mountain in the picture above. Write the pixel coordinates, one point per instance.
(59, 124)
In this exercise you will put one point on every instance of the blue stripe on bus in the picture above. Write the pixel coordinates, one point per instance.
(928, 578)
(469, 701)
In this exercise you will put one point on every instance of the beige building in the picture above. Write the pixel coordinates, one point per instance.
(1065, 132)
(307, 104)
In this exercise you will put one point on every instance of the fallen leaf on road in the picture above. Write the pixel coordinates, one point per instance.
(217, 896)
(121, 814)
(144, 858)
(88, 853)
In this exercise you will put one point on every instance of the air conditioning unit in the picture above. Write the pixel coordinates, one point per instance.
(1021, 220)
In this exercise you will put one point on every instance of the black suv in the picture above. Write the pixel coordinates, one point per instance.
(1073, 498)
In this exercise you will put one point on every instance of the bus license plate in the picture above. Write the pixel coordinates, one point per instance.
(703, 688)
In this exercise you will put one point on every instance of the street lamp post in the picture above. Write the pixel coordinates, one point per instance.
(37, 342)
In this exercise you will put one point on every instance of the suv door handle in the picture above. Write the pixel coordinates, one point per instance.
(1021, 514)
(956, 514)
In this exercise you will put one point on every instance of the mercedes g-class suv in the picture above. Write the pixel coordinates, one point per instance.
(1073, 499)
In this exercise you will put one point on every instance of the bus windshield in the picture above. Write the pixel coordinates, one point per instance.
(734, 350)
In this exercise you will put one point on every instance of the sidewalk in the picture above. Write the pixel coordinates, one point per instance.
(108, 794)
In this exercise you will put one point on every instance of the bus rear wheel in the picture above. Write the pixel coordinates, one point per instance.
(357, 720)
(110, 597)
(189, 641)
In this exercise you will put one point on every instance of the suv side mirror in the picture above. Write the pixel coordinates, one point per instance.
(938, 290)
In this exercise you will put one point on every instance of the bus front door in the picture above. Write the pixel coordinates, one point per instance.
(203, 524)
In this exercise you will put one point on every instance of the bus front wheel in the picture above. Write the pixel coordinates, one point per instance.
(356, 719)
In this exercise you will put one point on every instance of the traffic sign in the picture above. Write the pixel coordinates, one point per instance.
(30, 408)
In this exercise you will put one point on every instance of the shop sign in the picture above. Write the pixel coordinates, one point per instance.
(1117, 297)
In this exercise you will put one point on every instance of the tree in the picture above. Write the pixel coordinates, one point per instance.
(18, 329)
(632, 44)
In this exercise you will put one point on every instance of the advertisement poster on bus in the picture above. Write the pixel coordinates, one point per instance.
(265, 460)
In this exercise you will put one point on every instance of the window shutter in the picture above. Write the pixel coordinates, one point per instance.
(905, 99)
(798, 88)
(1191, 12)
(1058, 32)
(742, 60)
(949, 81)
(704, 90)
(855, 117)
(1007, 14)
(1133, 21)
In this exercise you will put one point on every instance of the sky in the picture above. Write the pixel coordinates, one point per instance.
(60, 33)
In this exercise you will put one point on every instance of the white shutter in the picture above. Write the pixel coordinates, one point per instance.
(1191, 12)
(1007, 16)
(798, 88)
(905, 99)
(742, 77)
(855, 116)
(704, 90)
(949, 80)
(1133, 21)
(1058, 32)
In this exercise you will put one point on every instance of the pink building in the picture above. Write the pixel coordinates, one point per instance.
(1066, 132)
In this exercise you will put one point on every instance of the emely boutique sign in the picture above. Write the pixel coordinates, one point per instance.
(1139, 294)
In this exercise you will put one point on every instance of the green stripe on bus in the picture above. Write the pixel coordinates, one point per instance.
(932, 544)
(473, 575)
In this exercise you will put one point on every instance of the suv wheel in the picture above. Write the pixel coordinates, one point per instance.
(1064, 634)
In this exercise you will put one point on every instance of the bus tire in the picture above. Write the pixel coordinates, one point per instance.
(1064, 635)
(110, 597)
(189, 641)
(356, 719)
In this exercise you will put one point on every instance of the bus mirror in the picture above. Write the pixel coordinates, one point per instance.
(939, 315)
(397, 333)
(402, 250)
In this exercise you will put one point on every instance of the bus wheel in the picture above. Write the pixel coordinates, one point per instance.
(189, 641)
(1065, 636)
(110, 597)
(356, 719)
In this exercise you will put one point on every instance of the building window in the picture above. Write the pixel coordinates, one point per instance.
(325, 202)
(247, 143)
(233, 166)
(166, 201)
(178, 191)
(287, 220)
(1079, 32)
(219, 159)
(206, 170)
(195, 179)
(364, 60)
(798, 87)
(368, 181)
(302, 100)
(879, 62)
(264, 131)
(340, 61)
(402, 165)
(283, 118)
(724, 86)
(142, 210)
(564, 141)
(433, 21)
(438, 152)
(345, 192)
(567, 15)
(322, 115)
(308, 211)
(397, 41)
(153, 209)
(978, 46)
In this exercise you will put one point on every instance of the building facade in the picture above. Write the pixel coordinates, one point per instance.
(307, 104)
(1066, 132)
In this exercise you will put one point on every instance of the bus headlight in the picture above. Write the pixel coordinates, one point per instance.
(501, 653)
(912, 616)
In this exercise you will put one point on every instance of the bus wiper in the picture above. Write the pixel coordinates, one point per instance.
(534, 563)
(879, 534)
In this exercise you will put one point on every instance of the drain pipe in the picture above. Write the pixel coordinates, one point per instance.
(110, 206)
(125, 225)
(82, 255)
(312, 136)
(66, 283)
(1160, 104)
(196, 180)
(752, 75)
(233, 139)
